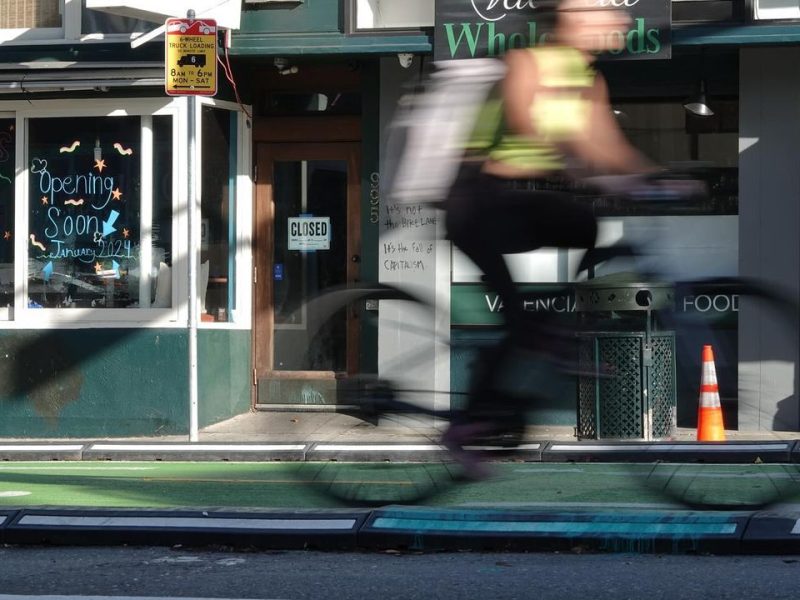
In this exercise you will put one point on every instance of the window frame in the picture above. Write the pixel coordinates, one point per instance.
(44, 317)
(20, 316)
(242, 275)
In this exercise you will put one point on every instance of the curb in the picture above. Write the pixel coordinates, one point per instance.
(541, 451)
(279, 529)
(193, 451)
(606, 530)
(415, 529)
(710, 452)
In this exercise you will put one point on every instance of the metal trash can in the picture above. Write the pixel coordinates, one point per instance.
(627, 382)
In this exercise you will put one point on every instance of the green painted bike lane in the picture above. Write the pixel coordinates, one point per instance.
(307, 485)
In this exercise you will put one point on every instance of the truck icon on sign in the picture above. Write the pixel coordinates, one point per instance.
(194, 60)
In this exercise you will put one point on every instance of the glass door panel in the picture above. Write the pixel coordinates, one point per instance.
(309, 255)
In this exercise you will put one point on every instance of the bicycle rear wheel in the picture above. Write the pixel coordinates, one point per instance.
(396, 410)
(711, 486)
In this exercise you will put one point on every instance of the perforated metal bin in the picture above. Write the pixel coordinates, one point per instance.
(627, 381)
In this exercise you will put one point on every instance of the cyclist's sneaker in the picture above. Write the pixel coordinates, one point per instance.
(457, 439)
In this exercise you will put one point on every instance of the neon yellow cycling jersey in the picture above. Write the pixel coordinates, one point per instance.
(560, 111)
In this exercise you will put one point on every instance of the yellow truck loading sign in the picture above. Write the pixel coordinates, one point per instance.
(191, 57)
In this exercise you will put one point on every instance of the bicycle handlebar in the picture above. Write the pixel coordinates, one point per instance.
(667, 186)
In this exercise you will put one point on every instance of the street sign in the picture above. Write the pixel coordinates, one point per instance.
(191, 57)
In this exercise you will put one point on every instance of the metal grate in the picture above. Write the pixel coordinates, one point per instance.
(632, 392)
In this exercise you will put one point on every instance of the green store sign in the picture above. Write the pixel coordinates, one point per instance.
(472, 305)
(478, 28)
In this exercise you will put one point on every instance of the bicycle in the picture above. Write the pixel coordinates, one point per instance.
(379, 400)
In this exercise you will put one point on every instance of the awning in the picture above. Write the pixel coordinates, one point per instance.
(737, 35)
(64, 76)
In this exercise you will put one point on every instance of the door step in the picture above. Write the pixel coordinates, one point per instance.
(324, 408)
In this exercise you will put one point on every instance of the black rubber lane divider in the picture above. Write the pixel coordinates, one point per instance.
(795, 457)
(412, 452)
(773, 532)
(626, 530)
(6, 516)
(277, 529)
(41, 451)
(709, 452)
(194, 451)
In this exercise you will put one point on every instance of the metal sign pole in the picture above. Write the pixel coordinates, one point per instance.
(191, 207)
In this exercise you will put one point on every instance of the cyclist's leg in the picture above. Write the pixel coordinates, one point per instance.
(485, 220)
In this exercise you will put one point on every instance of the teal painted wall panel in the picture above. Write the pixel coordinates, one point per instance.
(225, 373)
(313, 16)
(558, 404)
(117, 382)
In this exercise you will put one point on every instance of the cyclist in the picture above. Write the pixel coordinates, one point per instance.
(550, 112)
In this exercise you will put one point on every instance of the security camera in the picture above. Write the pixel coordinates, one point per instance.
(405, 58)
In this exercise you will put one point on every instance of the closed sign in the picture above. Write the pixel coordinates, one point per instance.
(309, 233)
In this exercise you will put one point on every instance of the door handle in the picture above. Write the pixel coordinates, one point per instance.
(355, 258)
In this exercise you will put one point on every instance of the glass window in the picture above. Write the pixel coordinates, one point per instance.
(161, 233)
(218, 226)
(7, 161)
(669, 134)
(98, 21)
(390, 14)
(30, 14)
(85, 205)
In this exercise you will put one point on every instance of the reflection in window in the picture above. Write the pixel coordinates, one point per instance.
(7, 160)
(667, 133)
(98, 21)
(29, 14)
(161, 272)
(217, 238)
(85, 200)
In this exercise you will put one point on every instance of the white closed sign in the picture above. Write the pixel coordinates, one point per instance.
(309, 233)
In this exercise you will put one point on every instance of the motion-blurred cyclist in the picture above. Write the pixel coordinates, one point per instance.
(550, 112)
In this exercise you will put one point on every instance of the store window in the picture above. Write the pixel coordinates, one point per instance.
(371, 15)
(98, 21)
(670, 135)
(7, 162)
(86, 205)
(31, 14)
(218, 221)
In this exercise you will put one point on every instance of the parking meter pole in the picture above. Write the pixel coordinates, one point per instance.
(191, 207)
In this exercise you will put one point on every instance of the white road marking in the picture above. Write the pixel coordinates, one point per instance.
(377, 447)
(196, 447)
(669, 447)
(72, 466)
(40, 447)
(46, 597)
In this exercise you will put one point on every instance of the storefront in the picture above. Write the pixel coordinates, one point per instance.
(94, 249)
(94, 161)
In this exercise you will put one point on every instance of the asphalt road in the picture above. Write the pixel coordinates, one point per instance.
(221, 573)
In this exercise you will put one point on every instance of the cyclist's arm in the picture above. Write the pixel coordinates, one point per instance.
(519, 88)
(605, 147)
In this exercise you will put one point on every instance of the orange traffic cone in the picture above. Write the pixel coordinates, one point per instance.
(709, 415)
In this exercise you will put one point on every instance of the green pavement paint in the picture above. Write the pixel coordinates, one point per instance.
(152, 484)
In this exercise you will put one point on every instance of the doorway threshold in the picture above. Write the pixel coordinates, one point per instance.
(324, 408)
